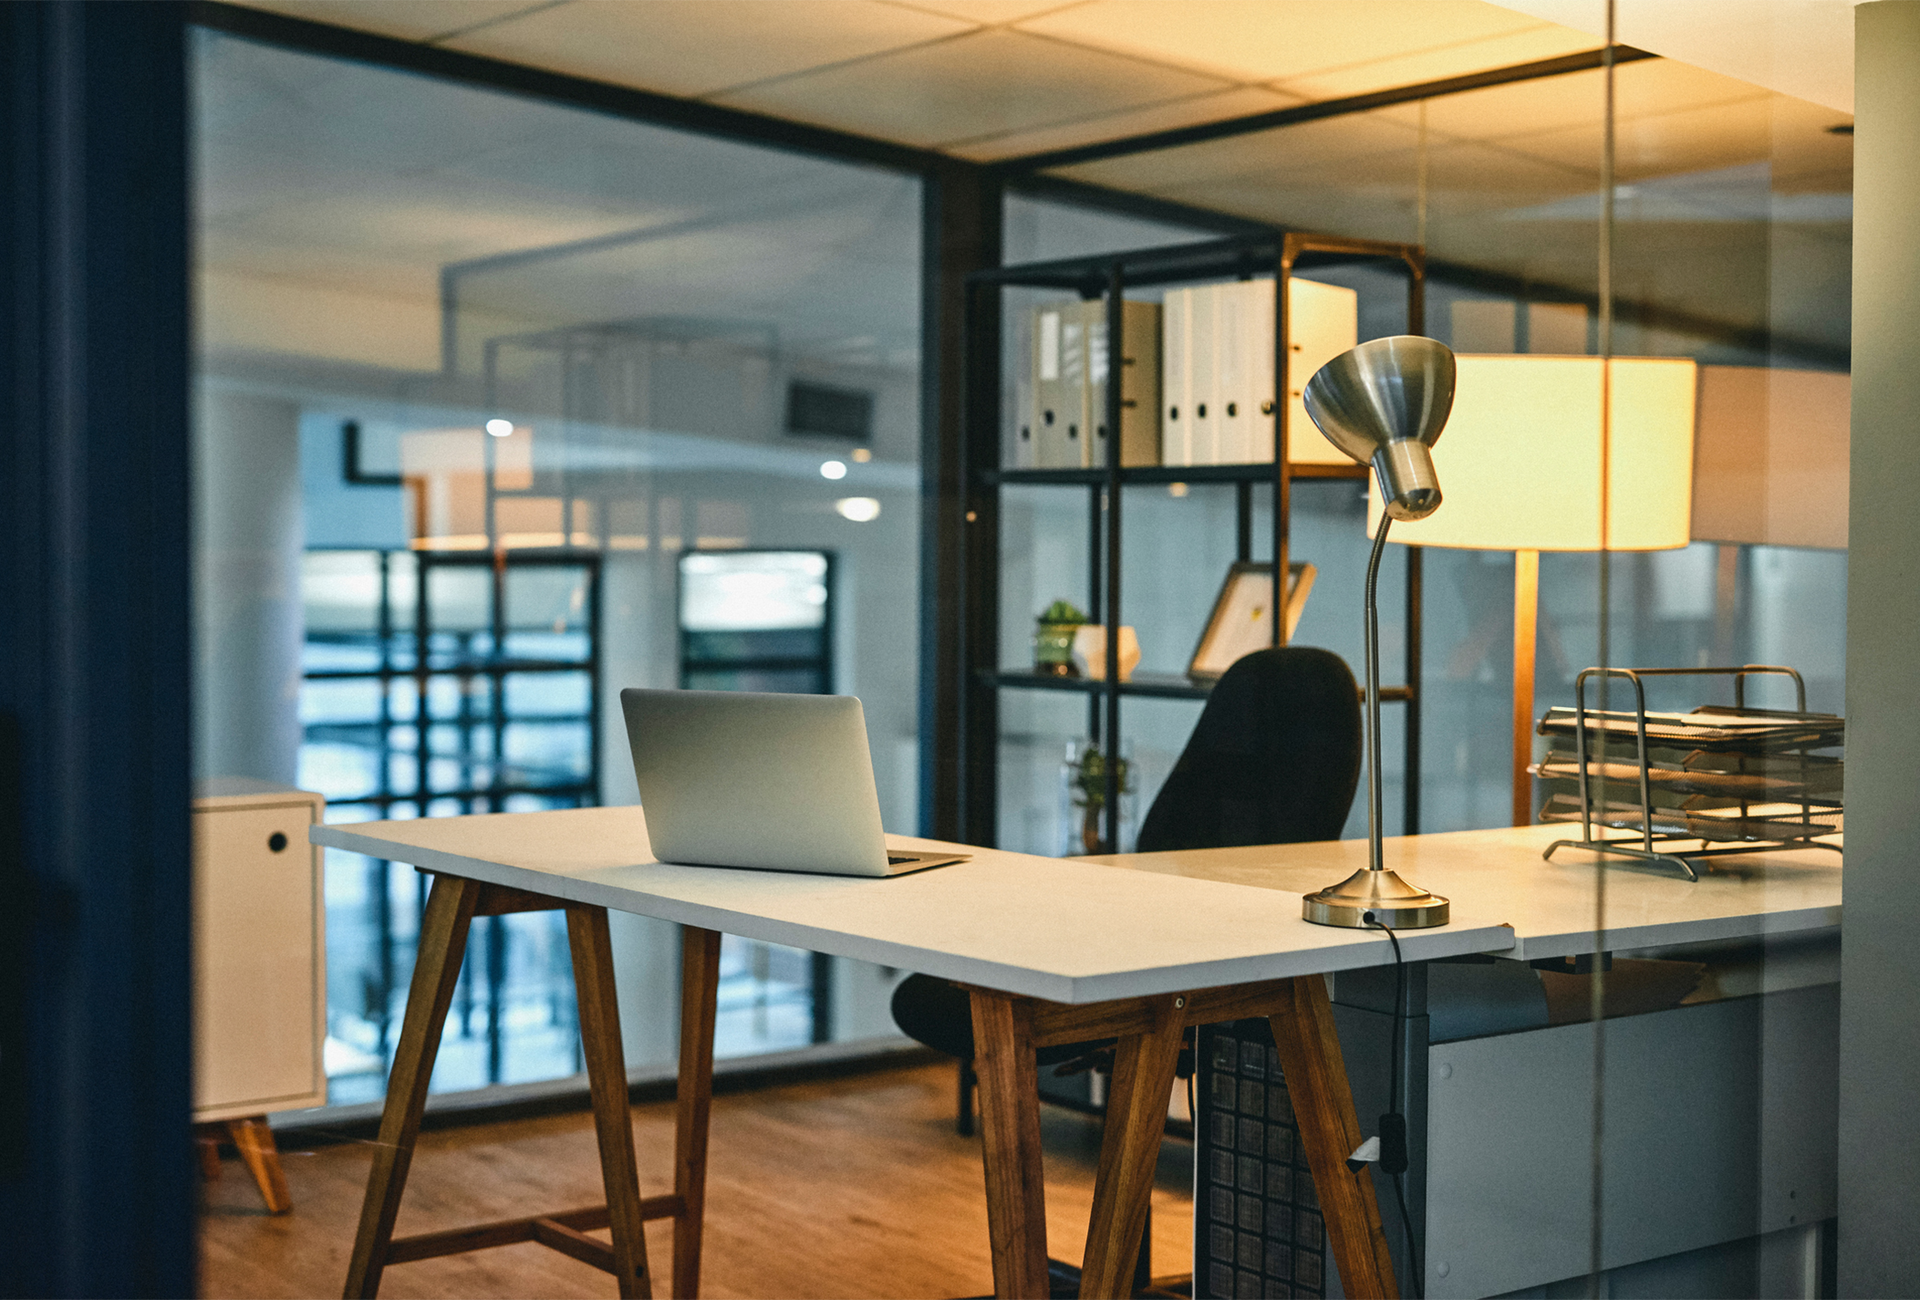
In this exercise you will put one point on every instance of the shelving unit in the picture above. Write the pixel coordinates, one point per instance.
(1109, 276)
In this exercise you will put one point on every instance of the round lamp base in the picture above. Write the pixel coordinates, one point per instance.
(1371, 898)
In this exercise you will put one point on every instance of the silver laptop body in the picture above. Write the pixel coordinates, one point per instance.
(773, 782)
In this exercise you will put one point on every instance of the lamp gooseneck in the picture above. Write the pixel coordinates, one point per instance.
(1375, 830)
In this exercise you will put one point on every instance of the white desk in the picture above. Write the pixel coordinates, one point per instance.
(1499, 877)
(1066, 930)
(1054, 951)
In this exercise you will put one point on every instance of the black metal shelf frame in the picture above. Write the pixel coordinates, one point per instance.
(1109, 276)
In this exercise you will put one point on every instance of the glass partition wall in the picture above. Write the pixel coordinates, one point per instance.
(482, 380)
(1644, 210)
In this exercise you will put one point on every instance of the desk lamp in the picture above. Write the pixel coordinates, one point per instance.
(1383, 403)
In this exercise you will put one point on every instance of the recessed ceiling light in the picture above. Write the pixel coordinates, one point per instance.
(833, 469)
(1845, 128)
(862, 455)
(859, 509)
(499, 428)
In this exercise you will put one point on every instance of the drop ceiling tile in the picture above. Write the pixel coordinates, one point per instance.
(1213, 107)
(1704, 139)
(1361, 213)
(992, 82)
(698, 47)
(1648, 89)
(1493, 177)
(988, 13)
(1331, 149)
(1376, 196)
(411, 20)
(1439, 62)
(1265, 40)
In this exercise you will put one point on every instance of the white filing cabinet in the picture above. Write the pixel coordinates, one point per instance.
(260, 990)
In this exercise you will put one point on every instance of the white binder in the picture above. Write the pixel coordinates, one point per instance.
(1071, 449)
(1176, 379)
(1203, 369)
(1236, 370)
(1259, 305)
(1025, 416)
(1323, 320)
(1056, 401)
(1139, 383)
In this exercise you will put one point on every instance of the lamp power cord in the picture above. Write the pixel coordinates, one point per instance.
(1392, 1140)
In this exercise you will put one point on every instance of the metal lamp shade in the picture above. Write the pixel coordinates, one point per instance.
(1384, 403)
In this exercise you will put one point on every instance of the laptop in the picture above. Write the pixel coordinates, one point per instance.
(771, 782)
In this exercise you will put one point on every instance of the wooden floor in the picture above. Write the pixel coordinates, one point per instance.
(843, 1188)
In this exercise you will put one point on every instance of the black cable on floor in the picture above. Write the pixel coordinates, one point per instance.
(1395, 1117)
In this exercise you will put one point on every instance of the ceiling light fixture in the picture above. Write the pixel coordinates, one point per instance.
(500, 428)
(861, 510)
(833, 469)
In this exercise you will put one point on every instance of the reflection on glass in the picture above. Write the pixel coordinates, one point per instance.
(759, 591)
(387, 293)
(757, 621)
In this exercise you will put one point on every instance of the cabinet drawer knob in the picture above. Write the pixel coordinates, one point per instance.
(277, 842)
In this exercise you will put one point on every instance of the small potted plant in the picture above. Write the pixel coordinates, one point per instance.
(1053, 639)
(1085, 775)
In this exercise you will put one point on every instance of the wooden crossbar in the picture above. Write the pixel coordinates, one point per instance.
(588, 1250)
(510, 1232)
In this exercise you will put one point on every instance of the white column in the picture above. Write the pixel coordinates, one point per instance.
(248, 537)
(1880, 989)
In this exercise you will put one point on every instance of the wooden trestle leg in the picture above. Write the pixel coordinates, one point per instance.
(699, 992)
(1143, 1066)
(436, 969)
(451, 908)
(1006, 1031)
(1309, 1047)
(607, 1080)
(1003, 1058)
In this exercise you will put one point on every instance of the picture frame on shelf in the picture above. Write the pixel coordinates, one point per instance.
(1242, 618)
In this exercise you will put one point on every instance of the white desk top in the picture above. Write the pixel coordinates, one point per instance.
(1061, 929)
(1497, 876)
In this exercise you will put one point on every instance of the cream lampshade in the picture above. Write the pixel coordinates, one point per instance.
(1521, 461)
(1769, 469)
(1770, 457)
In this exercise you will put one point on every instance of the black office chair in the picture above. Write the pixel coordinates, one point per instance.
(1274, 759)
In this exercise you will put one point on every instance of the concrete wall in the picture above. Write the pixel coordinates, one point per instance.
(1879, 1013)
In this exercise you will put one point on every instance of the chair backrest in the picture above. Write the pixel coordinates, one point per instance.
(1274, 759)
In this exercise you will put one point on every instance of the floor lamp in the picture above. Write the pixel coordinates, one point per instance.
(1522, 463)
